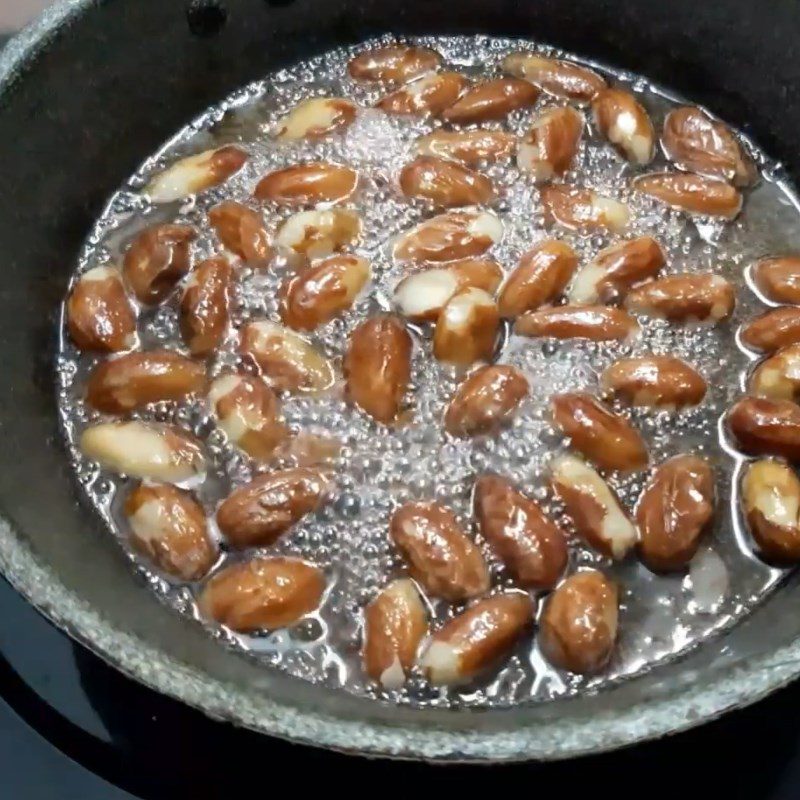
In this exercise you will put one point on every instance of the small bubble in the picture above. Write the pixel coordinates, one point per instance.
(348, 505)
(550, 348)
(549, 437)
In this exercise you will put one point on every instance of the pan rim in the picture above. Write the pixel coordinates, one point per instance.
(738, 685)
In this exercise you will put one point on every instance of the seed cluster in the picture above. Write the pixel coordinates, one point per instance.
(435, 292)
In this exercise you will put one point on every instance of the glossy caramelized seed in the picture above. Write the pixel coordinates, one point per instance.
(615, 270)
(531, 546)
(309, 235)
(287, 360)
(692, 193)
(307, 184)
(322, 292)
(602, 436)
(259, 512)
(262, 594)
(777, 328)
(395, 623)
(99, 315)
(598, 323)
(578, 627)
(156, 260)
(771, 503)
(204, 306)
(674, 510)
(451, 236)
(541, 276)
(492, 99)
(144, 450)
(430, 94)
(684, 297)
(624, 122)
(482, 273)
(248, 411)
(550, 146)
(555, 76)
(444, 183)
(471, 148)
(316, 117)
(135, 379)
(394, 63)
(421, 296)
(377, 366)
(766, 427)
(477, 638)
(196, 174)
(168, 526)
(594, 508)
(485, 400)
(580, 209)
(241, 230)
(438, 552)
(695, 142)
(655, 382)
(466, 330)
(778, 279)
(778, 377)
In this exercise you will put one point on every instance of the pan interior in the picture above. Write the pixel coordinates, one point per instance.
(662, 617)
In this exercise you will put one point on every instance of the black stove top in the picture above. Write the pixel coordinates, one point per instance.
(72, 728)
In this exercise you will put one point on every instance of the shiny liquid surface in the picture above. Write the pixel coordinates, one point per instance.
(380, 467)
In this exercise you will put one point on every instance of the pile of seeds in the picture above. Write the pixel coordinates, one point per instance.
(275, 385)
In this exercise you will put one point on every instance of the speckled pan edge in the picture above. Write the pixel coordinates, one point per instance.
(736, 686)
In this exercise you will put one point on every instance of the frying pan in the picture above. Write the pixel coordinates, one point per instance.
(90, 89)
